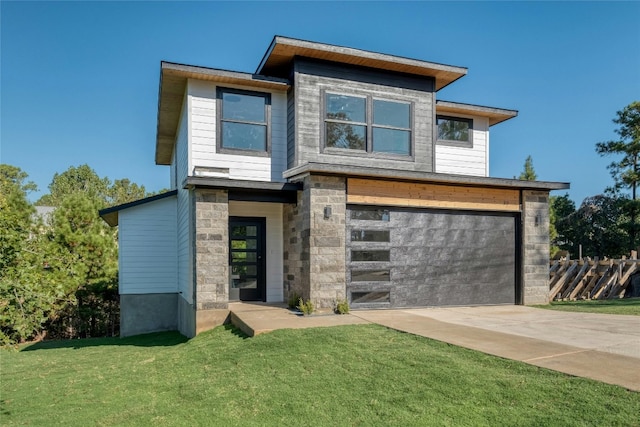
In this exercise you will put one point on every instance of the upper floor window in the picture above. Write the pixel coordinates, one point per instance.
(368, 125)
(454, 129)
(243, 121)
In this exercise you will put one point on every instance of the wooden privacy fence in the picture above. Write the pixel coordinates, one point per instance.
(591, 278)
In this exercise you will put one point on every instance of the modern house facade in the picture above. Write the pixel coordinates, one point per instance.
(331, 173)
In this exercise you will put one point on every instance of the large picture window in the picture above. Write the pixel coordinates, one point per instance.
(244, 120)
(454, 129)
(367, 125)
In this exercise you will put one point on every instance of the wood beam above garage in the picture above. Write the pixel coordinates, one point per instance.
(423, 195)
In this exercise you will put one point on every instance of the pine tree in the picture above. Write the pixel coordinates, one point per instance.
(528, 174)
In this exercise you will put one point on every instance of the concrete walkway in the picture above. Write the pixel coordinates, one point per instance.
(599, 346)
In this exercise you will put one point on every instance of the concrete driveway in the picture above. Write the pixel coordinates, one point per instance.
(603, 347)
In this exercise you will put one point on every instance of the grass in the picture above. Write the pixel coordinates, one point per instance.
(627, 306)
(349, 375)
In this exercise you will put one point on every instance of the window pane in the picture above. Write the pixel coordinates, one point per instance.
(389, 113)
(369, 255)
(369, 235)
(391, 141)
(239, 244)
(243, 107)
(244, 136)
(244, 270)
(347, 108)
(244, 283)
(370, 214)
(243, 257)
(369, 297)
(342, 135)
(453, 130)
(370, 275)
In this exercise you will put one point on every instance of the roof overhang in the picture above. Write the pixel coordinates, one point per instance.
(495, 115)
(243, 190)
(299, 172)
(110, 215)
(173, 82)
(277, 60)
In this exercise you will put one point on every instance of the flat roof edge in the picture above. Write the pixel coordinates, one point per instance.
(403, 175)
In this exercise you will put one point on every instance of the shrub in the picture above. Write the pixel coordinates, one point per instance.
(342, 307)
(293, 300)
(305, 307)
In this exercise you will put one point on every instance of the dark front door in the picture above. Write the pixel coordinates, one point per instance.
(247, 259)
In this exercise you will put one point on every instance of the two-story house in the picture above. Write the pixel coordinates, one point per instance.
(330, 173)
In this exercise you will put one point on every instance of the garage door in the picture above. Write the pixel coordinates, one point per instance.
(418, 258)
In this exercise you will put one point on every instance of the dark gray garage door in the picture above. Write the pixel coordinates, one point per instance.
(417, 258)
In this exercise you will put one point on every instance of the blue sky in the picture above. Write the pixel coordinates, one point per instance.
(79, 80)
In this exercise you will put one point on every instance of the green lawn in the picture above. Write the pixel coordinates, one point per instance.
(628, 306)
(350, 375)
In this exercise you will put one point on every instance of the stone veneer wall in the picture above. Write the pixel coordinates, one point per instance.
(211, 218)
(327, 239)
(296, 247)
(535, 241)
(314, 256)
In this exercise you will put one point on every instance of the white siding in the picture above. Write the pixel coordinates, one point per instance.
(147, 248)
(180, 154)
(466, 161)
(202, 100)
(273, 214)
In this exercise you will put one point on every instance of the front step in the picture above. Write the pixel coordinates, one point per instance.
(240, 324)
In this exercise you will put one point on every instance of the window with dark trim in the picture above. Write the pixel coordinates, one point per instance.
(455, 130)
(370, 297)
(368, 125)
(243, 121)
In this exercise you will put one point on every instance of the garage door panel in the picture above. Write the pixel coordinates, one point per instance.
(441, 258)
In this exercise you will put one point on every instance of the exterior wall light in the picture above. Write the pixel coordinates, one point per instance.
(327, 212)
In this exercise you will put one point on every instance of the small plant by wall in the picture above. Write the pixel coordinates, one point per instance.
(342, 307)
(293, 300)
(305, 307)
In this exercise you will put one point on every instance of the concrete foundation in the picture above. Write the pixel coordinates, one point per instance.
(146, 313)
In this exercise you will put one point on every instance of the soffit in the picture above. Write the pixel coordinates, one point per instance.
(495, 115)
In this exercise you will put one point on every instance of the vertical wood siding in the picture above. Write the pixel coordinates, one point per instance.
(466, 161)
(203, 137)
(147, 245)
(273, 214)
(311, 78)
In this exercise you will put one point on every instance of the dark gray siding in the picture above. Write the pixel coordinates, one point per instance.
(441, 258)
(291, 128)
(311, 78)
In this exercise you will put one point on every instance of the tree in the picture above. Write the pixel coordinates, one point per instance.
(626, 171)
(16, 213)
(124, 191)
(30, 291)
(76, 180)
(528, 174)
(561, 228)
(597, 225)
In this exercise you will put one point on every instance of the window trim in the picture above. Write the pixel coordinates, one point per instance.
(220, 148)
(453, 142)
(369, 126)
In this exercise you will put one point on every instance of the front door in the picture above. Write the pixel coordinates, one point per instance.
(247, 259)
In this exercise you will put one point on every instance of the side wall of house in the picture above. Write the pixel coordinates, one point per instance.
(203, 121)
(148, 268)
(312, 80)
(147, 248)
(460, 160)
(180, 164)
(273, 214)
